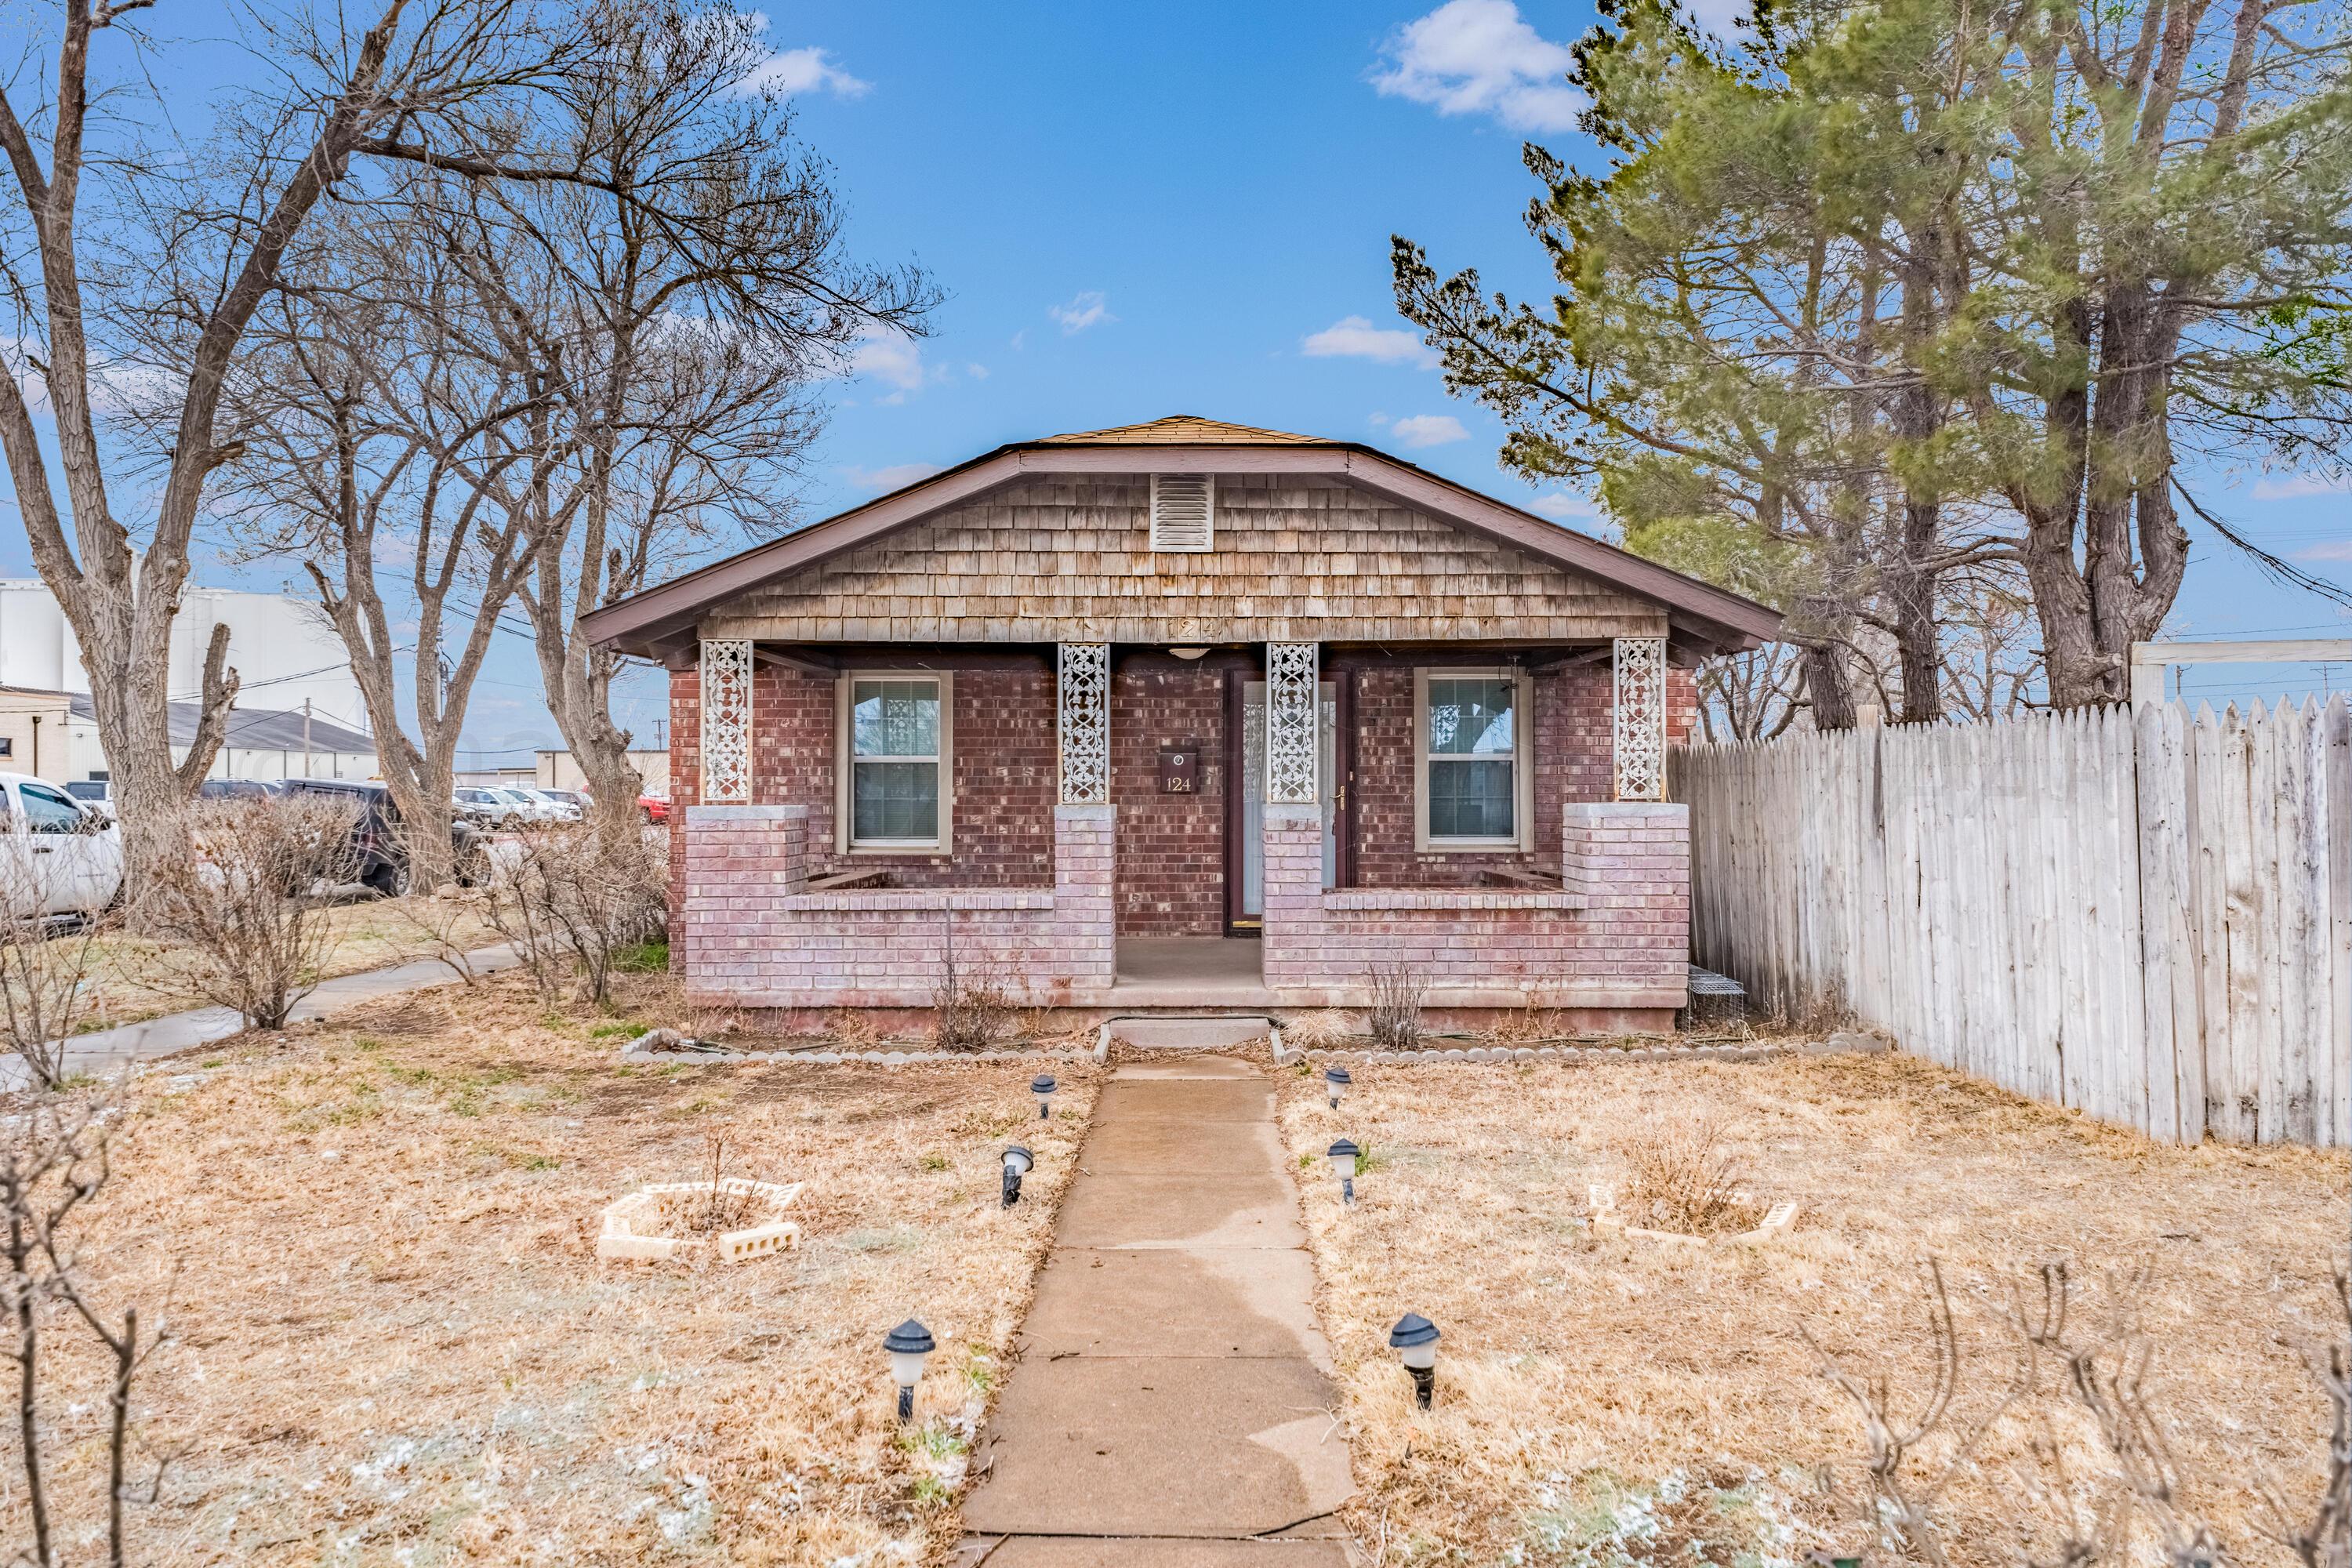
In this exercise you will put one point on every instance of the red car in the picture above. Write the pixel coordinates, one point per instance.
(654, 806)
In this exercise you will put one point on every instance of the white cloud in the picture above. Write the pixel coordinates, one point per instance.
(897, 361)
(896, 477)
(1721, 17)
(788, 71)
(976, 370)
(2295, 487)
(1563, 506)
(1354, 337)
(1477, 56)
(2334, 550)
(1417, 430)
(1088, 309)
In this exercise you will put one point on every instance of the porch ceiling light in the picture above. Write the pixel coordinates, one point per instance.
(1335, 1084)
(1188, 652)
(1414, 1339)
(909, 1343)
(1342, 1156)
(1042, 1086)
(1018, 1163)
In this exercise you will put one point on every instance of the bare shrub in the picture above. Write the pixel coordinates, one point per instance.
(52, 1165)
(574, 900)
(1683, 1176)
(1324, 1027)
(720, 1207)
(2131, 1501)
(45, 965)
(231, 901)
(969, 1008)
(1398, 990)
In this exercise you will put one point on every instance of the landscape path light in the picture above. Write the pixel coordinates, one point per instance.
(1018, 1163)
(1414, 1339)
(1335, 1084)
(907, 1343)
(1042, 1086)
(1342, 1156)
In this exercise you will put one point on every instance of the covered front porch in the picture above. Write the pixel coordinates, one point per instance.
(1114, 827)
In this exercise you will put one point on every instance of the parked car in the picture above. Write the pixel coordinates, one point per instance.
(562, 805)
(655, 807)
(524, 808)
(98, 794)
(378, 847)
(236, 789)
(486, 808)
(66, 857)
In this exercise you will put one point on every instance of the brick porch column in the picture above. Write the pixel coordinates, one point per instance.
(741, 863)
(1630, 859)
(1086, 931)
(1292, 936)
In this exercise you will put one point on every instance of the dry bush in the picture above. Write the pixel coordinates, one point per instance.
(970, 1010)
(572, 899)
(1398, 990)
(2102, 1482)
(230, 900)
(45, 984)
(719, 1208)
(53, 1166)
(1683, 1176)
(1324, 1027)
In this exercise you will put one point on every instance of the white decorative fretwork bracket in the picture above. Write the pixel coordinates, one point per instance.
(726, 721)
(1639, 701)
(1292, 692)
(1085, 723)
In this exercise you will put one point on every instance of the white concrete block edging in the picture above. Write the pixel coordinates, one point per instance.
(636, 1227)
(1549, 1054)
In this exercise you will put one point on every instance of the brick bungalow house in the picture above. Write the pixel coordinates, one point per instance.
(1180, 715)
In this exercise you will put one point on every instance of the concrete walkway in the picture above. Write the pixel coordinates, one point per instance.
(1173, 1404)
(104, 1051)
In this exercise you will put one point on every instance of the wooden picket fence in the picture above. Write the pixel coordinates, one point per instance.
(2141, 914)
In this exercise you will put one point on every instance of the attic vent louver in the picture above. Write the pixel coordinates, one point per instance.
(1182, 511)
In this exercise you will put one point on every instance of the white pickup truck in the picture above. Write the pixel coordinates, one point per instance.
(58, 857)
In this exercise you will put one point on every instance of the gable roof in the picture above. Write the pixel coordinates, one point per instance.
(663, 619)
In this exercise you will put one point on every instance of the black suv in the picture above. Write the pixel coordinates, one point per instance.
(376, 845)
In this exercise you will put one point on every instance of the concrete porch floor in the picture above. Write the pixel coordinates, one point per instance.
(1189, 972)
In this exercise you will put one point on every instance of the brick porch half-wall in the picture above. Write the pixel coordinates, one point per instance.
(751, 934)
(1613, 940)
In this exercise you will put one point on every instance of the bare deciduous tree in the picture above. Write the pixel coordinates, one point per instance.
(162, 274)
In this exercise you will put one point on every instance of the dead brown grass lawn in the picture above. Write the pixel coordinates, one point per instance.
(395, 1343)
(125, 986)
(1607, 1401)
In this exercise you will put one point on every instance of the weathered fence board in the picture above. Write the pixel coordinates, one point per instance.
(2147, 915)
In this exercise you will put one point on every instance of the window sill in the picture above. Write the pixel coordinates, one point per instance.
(856, 898)
(1451, 898)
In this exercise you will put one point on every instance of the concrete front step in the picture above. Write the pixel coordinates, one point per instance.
(1154, 1552)
(1168, 1446)
(1164, 1032)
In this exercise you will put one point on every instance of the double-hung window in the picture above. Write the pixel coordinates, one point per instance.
(1471, 753)
(896, 787)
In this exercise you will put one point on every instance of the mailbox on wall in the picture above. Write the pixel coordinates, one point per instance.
(1179, 769)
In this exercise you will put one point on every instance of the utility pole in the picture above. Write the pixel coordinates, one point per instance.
(306, 737)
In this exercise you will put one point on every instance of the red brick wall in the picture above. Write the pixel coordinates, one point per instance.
(1004, 770)
(1171, 847)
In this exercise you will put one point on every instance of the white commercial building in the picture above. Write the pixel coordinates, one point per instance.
(289, 664)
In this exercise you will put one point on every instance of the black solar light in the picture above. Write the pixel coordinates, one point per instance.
(1335, 1084)
(1414, 1339)
(1042, 1086)
(909, 1343)
(1018, 1163)
(1342, 1156)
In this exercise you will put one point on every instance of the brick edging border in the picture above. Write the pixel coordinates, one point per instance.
(838, 1059)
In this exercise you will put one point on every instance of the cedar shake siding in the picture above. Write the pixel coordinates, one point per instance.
(1296, 560)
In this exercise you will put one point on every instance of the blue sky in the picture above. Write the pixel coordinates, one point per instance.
(1144, 210)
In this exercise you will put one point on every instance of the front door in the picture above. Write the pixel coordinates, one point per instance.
(1250, 908)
